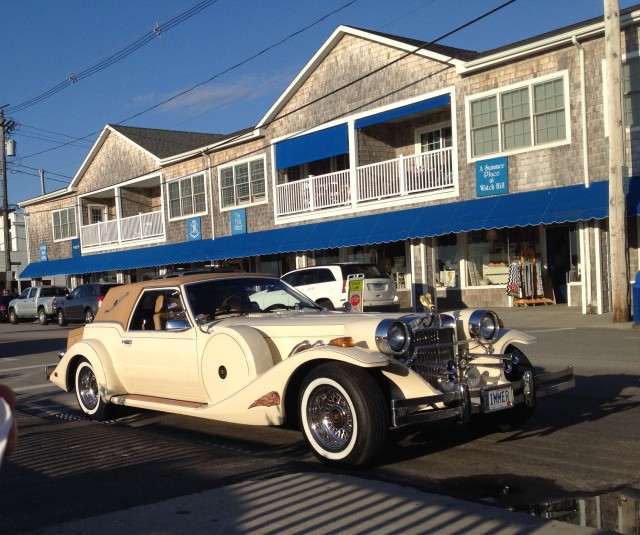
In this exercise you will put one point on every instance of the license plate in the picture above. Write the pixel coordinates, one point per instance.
(497, 399)
(378, 286)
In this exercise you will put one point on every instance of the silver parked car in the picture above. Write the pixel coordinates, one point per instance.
(82, 304)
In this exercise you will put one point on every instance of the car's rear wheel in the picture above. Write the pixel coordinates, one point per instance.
(62, 319)
(42, 317)
(326, 303)
(88, 316)
(88, 392)
(343, 414)
(13, 317)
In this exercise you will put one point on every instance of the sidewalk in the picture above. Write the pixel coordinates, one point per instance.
(315, 503)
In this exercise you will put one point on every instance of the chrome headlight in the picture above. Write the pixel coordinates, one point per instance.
(393, 337)
(484, 324)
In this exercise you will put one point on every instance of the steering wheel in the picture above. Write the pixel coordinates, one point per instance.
(276, 306)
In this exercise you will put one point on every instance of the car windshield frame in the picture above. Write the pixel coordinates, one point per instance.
(206, 297)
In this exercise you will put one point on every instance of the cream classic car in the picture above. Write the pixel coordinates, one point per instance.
(202, 345)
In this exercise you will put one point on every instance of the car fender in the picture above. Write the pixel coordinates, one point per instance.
(97, 355)
(512, 336)
(261, 400)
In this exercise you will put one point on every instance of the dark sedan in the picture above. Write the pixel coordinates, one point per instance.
(82, 304)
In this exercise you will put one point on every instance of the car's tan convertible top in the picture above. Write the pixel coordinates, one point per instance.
(119, 301)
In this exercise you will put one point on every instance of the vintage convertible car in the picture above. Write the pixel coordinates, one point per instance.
(201, 345)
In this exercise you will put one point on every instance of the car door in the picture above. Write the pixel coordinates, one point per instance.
(158, 362)
(27, 306)
(72, 305)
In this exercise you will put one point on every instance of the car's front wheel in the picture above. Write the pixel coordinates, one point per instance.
(88, 392)
(62, 319)
(515, 418)
(42, 317)
(343, 414)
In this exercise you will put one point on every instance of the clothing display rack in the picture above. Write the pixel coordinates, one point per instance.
(525, 282)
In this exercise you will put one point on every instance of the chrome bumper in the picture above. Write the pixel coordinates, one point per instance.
(462, 402)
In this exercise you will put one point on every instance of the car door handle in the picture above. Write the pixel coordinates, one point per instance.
(127, 342)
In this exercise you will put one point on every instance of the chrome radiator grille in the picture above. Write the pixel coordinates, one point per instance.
(434, 347)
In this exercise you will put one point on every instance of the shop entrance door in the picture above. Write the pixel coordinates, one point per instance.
(558, 260)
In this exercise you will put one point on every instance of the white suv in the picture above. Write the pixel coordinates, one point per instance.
(327, 285)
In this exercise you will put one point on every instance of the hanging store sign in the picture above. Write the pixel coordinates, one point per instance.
(194, 229)
(238, 221)
(43, 252)
(76, 250)
(492, 177)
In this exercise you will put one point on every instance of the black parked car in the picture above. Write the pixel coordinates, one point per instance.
(82, 304)
(4, 306)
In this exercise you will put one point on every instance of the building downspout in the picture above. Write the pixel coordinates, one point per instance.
(583, 109)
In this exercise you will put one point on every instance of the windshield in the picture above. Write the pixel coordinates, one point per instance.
(243, 295)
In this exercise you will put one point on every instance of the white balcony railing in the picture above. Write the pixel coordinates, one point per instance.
(402, 176)
(119, 231)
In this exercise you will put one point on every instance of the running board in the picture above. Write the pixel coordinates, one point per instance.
(157, 404)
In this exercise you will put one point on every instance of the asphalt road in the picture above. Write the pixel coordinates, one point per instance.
(579, 444)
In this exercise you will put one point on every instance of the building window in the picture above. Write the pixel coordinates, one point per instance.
(447, 261)
(518, 118)
(243, 183)
(187, 197)
(97, 213)
(64, 224)
(434, 140)
(631, 89)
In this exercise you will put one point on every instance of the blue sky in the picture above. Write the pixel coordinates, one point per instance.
(45, 42)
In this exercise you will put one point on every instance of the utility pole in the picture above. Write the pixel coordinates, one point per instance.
(617, 204)
(5, 205)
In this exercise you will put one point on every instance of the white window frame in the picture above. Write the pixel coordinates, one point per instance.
(497, 93)
(179, 182)
(252, 199)
(631, 56)
(418, 133)
(71, 209)
(103, 210)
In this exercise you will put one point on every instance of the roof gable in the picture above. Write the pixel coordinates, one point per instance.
(443, 54)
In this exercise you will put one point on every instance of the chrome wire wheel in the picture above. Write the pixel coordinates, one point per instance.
(88, 392)
(343, 414)
(330, 418)
(88, 388)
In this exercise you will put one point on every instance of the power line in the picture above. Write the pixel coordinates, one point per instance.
(424, 45)
(246, 60)
(418, 48)
(129, 49)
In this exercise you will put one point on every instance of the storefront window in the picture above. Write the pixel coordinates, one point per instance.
(574, 251)
(447, 261)
(491, 252)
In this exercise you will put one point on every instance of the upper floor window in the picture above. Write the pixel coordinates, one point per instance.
(631, 89)
(187, 196)
(64, 224)
(435, 139)
(518, 117)
(242, 183)
(97, 213)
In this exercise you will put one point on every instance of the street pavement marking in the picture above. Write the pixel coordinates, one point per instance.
(4, 370)
(32, 387)
(552, 330)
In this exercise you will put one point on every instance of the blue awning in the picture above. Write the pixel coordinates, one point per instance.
(403, 111)
(314, 146)
(556, 205)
